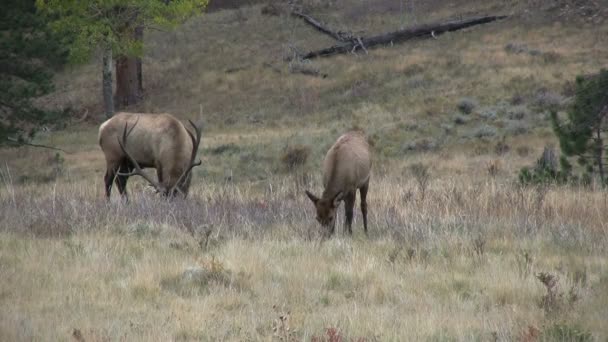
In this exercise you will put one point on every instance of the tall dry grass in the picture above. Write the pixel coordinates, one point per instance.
(574, 216)
(228, 262)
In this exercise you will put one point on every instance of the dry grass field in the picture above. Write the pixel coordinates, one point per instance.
(458, 250)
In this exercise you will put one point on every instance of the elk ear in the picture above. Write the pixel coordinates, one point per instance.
(339, 196)
(312, 197)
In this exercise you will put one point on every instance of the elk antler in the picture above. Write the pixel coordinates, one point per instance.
(137, 169)
(196, 140)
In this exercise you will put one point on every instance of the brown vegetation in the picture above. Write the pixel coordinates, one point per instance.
(457, 249)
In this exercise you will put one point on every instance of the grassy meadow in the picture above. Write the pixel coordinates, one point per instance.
(458, 250)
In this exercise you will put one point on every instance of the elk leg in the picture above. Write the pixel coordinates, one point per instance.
(332, 229)
(363, 193)
(121, 181)
(349, 204)
(108, 179)
(159, 176)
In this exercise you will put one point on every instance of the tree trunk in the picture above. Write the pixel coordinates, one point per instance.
(600, 150)
(129, 85)
(108, 101)
(417, 32)
(139, 36)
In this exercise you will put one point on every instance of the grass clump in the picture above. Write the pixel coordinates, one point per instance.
(295, 157)
(562, 332)
(467, 105)
(197, 280)
(484, 131)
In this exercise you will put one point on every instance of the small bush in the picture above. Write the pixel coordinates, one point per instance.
(196, 280)
(522, 151)
(565, 333)
(422, 176)
(551, 57)
(518, 113)
(545, 171)
(547, 100)
(421, 145)
(552, 300)
(516, 48)
(447, 128)
(489, 113)
(467, 105)
(517, 100)
(494, 168)
(295, 156)
(502, 147)
(460, 120)
(517, 128)
(225, 149)
(484, 131)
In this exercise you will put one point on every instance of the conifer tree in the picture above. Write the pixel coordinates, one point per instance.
(114, 29)
(29, 53)
(583, 134)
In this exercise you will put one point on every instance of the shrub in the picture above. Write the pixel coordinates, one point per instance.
(502, 147)
(420, 145)
(466, 105)
(460, 120)
(563, 332)
(518, 113)
(517, 100)
(422, 176)
(547, 100)
(517, 128)
(522, 151)
(489, 113)
(225, 149)
(545, 171)
(516, 48)
(484, 131)
(551, 57)
(295, 156)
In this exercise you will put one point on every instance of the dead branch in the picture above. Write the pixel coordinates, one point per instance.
(304, 70)
(23, 143)
(319, 26)
(417, 32)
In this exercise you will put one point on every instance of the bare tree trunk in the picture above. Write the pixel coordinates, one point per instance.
(129, 85)
(139, 36)
(108, 101)
(600, 148)
(417, 32)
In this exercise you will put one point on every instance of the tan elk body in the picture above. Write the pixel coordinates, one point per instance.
(132, 141)
(346, 168)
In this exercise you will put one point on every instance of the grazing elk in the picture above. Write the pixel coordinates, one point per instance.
(346, 168)
(132, 141)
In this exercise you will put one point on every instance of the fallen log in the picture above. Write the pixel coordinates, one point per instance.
(423, 31)
(319, 26)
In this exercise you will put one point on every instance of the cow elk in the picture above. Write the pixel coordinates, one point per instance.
(346, 168)
(132, 141)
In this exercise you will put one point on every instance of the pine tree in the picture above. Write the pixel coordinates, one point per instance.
(29, 53)
(584, 133)
(114, 28)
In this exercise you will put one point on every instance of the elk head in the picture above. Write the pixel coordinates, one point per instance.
(326, 208)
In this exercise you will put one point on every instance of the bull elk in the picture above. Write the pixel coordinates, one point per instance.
(132, 141)
(346, 168)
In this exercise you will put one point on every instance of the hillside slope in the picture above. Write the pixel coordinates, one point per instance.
(457, 249)
(457, 92)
